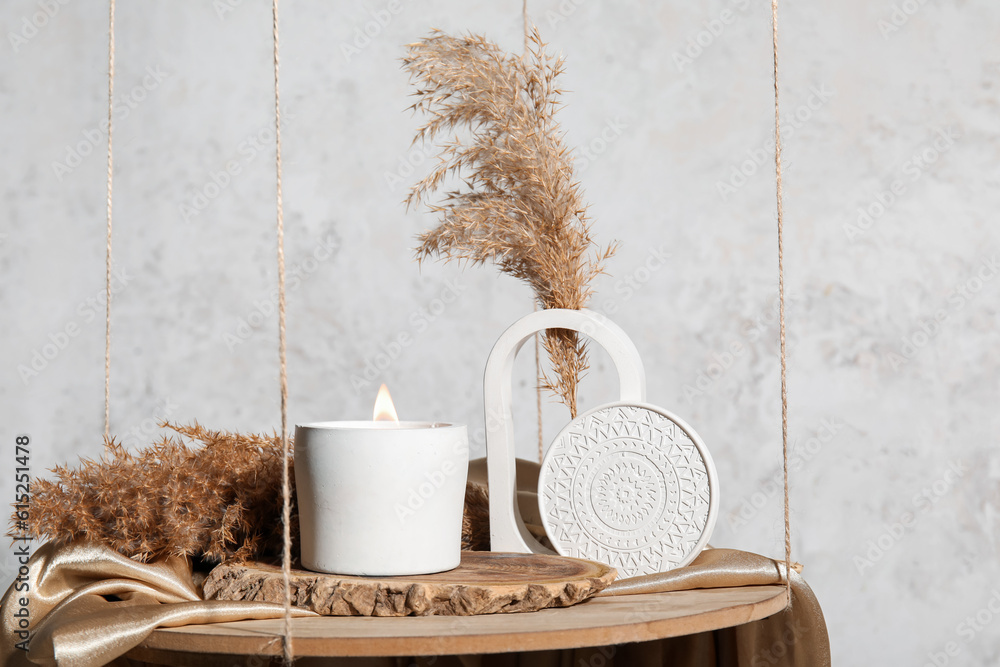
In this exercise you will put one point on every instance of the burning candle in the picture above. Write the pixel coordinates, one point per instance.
(383, 497)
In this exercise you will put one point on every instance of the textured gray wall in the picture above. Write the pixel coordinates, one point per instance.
(891, 108)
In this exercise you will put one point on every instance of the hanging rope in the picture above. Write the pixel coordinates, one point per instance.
(107, 260)
(781, 301)
(538, 357)
(538, 395)
(286, 491)
(524, 18)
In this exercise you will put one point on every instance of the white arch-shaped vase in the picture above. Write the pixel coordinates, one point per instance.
(626, 483)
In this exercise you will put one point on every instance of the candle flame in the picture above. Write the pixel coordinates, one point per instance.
(384, 409)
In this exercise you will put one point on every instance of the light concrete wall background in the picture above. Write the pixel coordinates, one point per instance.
(890, 107)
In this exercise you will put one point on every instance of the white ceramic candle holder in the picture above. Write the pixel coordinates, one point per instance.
(381, 498)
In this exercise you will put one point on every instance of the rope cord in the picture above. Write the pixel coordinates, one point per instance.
(538, 356)
(538, 395)
(527, 29)
(286, 492)
(107, 260)
(781, 301)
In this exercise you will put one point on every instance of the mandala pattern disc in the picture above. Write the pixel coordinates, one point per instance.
(629, 485)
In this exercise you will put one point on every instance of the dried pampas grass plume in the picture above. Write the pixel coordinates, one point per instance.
(216, 498)
(521, 207)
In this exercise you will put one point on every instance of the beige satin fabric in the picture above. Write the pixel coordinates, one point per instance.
(713, 568)
(795, 637)
(74, 624)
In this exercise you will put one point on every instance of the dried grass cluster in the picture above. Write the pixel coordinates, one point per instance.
(521, 206)
(220, 499)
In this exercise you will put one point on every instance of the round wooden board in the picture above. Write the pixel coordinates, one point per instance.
(485, 583)
(597, 622)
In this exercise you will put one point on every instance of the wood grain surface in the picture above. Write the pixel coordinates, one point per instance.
(596, 622)
(484, 583)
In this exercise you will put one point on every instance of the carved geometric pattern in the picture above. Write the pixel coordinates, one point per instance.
(628, 486)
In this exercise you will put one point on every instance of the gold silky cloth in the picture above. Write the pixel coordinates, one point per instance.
(74, 624)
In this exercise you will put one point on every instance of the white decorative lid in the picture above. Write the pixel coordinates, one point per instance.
(630, 485)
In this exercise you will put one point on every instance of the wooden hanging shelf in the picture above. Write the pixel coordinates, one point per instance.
(600, 621)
